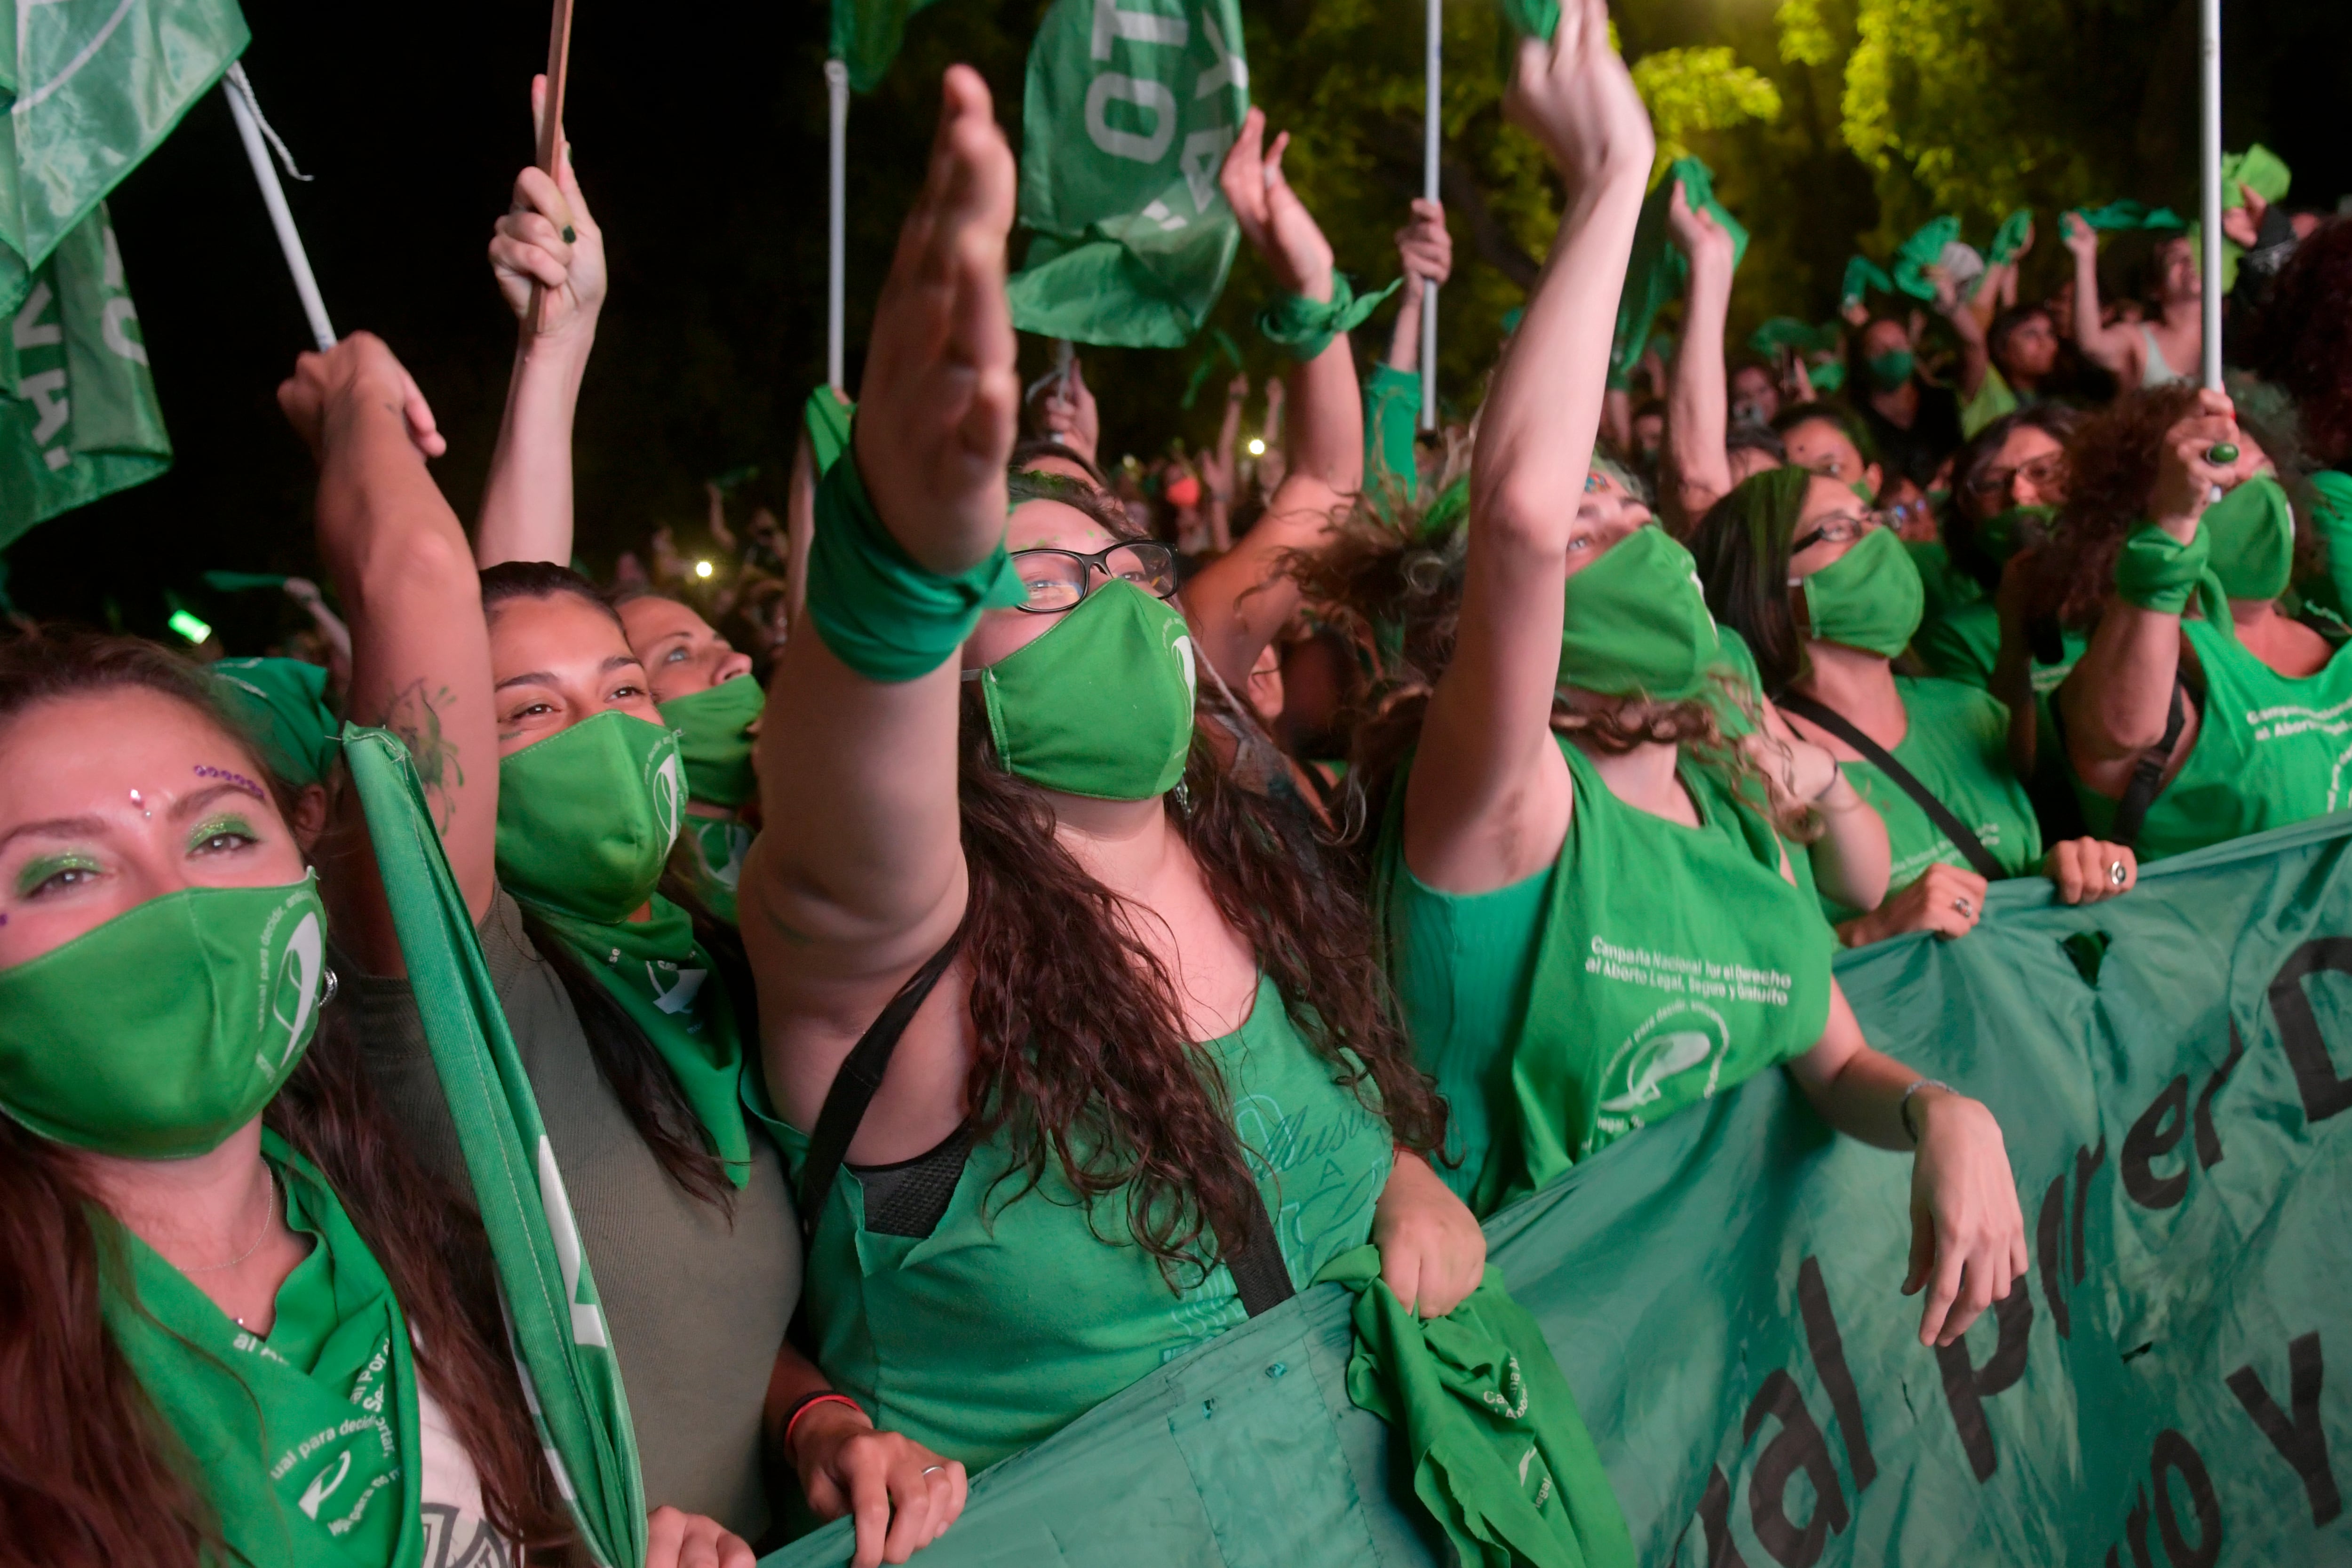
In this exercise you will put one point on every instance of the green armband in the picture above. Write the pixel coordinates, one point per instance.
(1306, 327)
(2156, 572)
(883, 614)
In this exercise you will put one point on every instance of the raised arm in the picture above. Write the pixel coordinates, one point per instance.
(1488, 799)
(1698, 402)
(548, 241)
(859, 873)
(1971, 333)
(2114, 349)
(1239, 601)
(1222, 468)
(420, 651)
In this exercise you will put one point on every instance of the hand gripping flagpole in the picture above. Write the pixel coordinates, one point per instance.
(836, 217)
(2209, 155)
(1429, 190)
(251, 128)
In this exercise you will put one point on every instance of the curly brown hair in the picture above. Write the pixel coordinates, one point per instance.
(2303, 340)
(2111, 465)
(1083, 1058)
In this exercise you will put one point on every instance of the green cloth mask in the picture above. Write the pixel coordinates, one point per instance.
(308, 1441)
(157, 1033)
(1891, 369)
(2252, 531)
(1636, 623)
(281, 704)
(2006, 532)
(586, 817)
(1102, 704)
(1870, 597)
(711, 739)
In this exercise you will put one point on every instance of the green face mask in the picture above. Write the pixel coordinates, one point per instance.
(1102, 704)
(2252, 533)
(2005, 534)
(586, 817)
(711, 742)
(1871, 597)
(157, 1035)
(1637, 623)
(1891, 369)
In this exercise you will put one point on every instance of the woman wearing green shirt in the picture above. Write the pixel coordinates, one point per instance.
(1826, 597)
(1569, 766)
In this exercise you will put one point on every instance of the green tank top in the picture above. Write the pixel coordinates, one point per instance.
(1958, 745)
(1014, 1317)
(2270, 751)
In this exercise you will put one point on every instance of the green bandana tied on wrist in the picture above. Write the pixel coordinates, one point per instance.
(879, 612)
(306, 1441)
(281, 704)
(1870, 598)
(712, 742)
(1636, 623)
(159, 1033)
(1306, 327)
(2156, 572)
(1102, 705)
(586, 818)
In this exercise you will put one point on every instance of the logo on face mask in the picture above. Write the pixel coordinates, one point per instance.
(1183, 647)
(669, 786)
(294, 993)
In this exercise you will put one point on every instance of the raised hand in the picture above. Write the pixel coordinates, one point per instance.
(2080, 237)
(1575, 97)
(2244, 223)
(1695, 228)
(1070, 415)
(942, 393)
(1272, 217)
(2186, 475)
(356, 377)
(548, 240)
(1424, 245)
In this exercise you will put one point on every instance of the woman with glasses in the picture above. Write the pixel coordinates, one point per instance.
(1077, 1068)
(1827, 598)
(2008, 485)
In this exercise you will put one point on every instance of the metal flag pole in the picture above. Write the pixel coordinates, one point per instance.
(836, 89)
(1429, 190)
(2208, 153)
(241, 107)
(550, 121)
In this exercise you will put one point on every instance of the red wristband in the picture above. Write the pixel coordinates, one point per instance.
(807, 1404)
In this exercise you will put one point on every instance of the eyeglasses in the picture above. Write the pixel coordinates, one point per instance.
(1060, 579)
(1838, 528)
(2042, 473)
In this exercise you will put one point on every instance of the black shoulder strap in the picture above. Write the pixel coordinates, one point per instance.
(1260, 1276)
(2148, 773)
(853, 1086)
(1972, 848)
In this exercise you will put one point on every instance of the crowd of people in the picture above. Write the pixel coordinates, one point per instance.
(1104, 895)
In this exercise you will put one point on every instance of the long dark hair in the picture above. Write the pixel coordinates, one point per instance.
(1083, 1058)
(2303, 338)
(1742, 547)
(640, 1079)
(90, 1473)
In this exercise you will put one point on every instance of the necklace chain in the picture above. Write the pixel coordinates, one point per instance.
(260, 1236)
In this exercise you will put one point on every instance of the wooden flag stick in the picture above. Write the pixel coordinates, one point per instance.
(551, 124)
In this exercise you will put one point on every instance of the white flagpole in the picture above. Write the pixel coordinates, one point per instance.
(264, 174)
(836, 87)
(2209, 155)
(1429, 190)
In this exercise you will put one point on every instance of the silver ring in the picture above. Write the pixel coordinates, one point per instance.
(1964, 905)
(933, 1469)
(2116, 874)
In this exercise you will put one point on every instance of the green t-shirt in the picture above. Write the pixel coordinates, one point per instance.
(1944, 588)
(1994, 400)
(1964, 644)
(1957, 743)
(1014, 1317)
(2270, 751)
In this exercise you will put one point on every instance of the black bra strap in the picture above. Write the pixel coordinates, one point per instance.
(1980, 858)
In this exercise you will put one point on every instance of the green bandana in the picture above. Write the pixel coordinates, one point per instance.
(1656, 269)
(2129, 215)
(1636, 623)
(1787, 332)
(1922, 250)
(1102, 705)
(711, 739)
(157, 1033)
(2156, 572)
(2003, 534)
(1890, 370)
(281, 704)
(1306, 327)
(2251, 530)
(1862, 275)
(306, 1442)
(1870, 597)
(586, 817)
(826, 419)
(2010, 238)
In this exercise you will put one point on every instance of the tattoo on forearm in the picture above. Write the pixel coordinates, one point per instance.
(415, 715)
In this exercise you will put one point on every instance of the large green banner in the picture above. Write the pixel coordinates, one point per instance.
(2172, 1070)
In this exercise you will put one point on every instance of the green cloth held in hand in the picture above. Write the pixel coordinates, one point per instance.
(2257, 166)
(281, 704)
(1787, 332)
(881, 614)
(2156, 572)
(2009, 238)
(1924, 249)
(1827, 378)
(1657, 271)
(1530, 19)
(827, 418)
(1306, 327)
(2117, 216)
(1499, 1454)
(1863, 274)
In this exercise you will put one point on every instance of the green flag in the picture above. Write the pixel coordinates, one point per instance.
(866, 35)
(1125, 124)
(1657, 271)
(562, 1345)
(78, 413)
(91, 88)
(2172, 1072)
